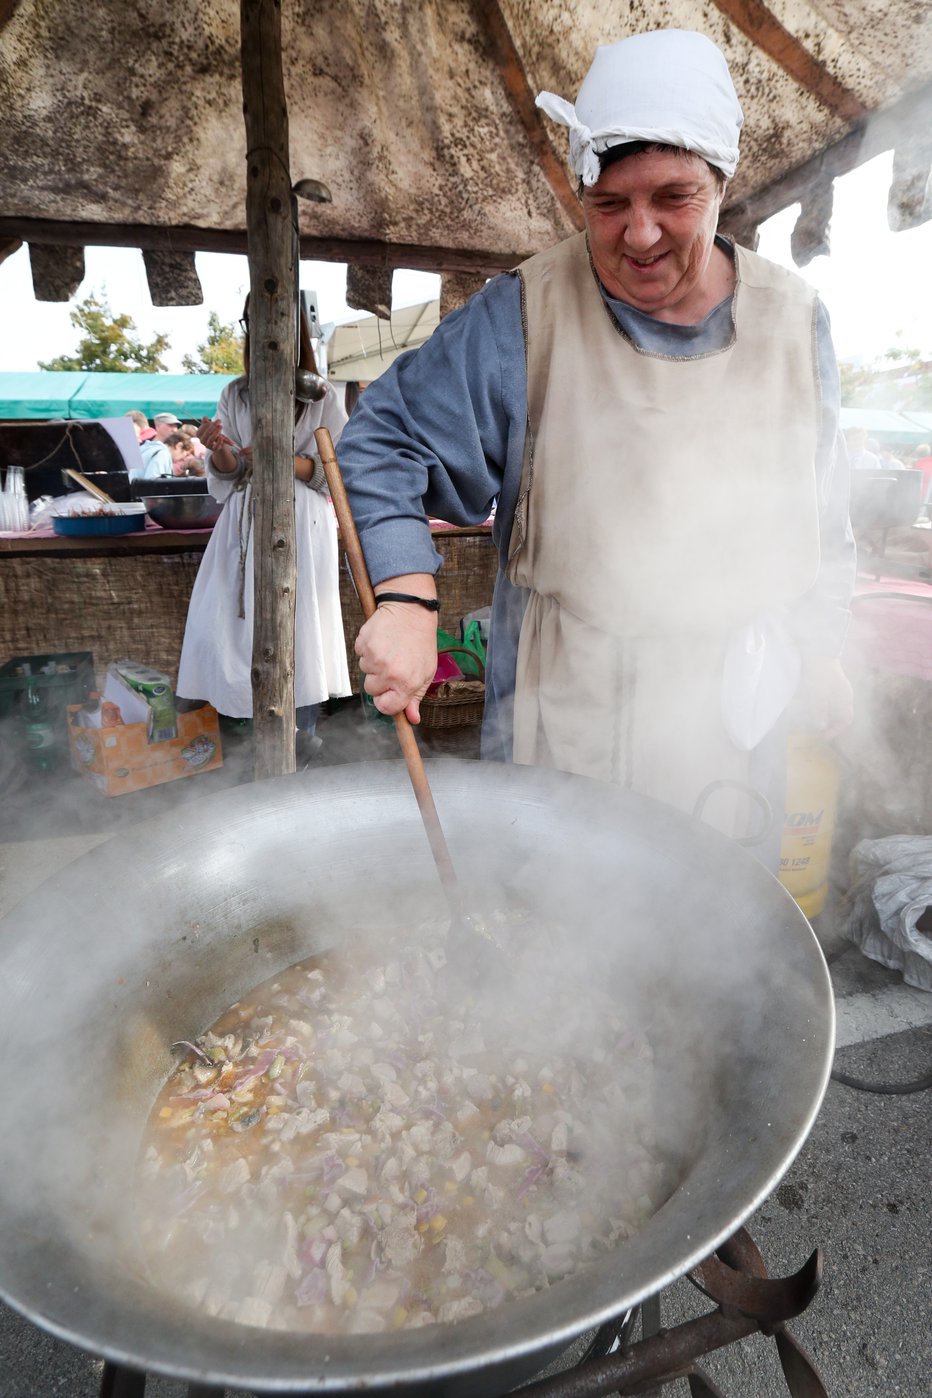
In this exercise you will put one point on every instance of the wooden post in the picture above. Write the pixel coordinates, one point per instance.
(272, 281)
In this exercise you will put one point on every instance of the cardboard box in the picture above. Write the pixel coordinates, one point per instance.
(123, 759)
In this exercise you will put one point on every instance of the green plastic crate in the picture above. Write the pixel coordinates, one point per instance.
(71, 687)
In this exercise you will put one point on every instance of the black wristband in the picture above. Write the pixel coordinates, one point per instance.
(430, 603)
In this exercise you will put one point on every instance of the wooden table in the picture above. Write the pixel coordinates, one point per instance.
(127, 596)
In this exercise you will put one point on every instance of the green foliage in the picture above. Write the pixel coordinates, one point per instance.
(221, 352)
(109, 344)
(901, 379)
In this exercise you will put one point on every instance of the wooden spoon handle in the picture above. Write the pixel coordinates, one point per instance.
(409, 748)
(89, 485)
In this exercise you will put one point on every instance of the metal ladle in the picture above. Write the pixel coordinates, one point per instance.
(462, 921)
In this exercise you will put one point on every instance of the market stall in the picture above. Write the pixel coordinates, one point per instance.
(128, 595)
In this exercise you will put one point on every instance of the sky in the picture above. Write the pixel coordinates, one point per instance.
(877, 286)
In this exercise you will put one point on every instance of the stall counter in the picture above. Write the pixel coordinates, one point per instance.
(127, 596)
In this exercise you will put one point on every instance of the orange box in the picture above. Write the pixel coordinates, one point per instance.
(122, 759)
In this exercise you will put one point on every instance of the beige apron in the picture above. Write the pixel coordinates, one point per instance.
(663, 502)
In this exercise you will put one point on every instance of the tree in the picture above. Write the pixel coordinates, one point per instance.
(901, 379)
(109, 344)
(221, 352)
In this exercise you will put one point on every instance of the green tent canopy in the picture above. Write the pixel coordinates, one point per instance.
(886, 424)
(37, 396)
(42, 395)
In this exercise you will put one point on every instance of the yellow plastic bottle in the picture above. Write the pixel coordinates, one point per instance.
(812, 779)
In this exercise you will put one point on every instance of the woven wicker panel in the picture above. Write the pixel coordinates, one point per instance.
(116, 607)
(134, 605)
(464, 584)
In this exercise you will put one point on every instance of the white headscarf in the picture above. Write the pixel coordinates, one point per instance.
(671, 86)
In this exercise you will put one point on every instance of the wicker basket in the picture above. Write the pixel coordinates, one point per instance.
(455, 703)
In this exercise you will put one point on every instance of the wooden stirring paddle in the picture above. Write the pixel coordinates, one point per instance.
(89, 485)
(409, 748)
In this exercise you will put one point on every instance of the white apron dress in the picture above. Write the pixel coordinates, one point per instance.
(663, 502)
(216, 655)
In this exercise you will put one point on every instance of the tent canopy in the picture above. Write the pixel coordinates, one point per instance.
(419, 117)
(37, 396)
(360, 350)
(43, 394)
(886, 424)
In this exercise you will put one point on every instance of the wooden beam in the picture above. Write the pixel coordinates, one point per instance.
(909, 202)
(272, 359)
(899, 124)
(56, 272)
(456, 289)
(7, 9)
(369, 289)
(504, 52)
(370, 252)
(172, 277)
(767, 34)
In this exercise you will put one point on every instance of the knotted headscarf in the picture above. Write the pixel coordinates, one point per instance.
(671, 86)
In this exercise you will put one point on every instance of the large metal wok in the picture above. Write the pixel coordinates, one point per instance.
(147, 939)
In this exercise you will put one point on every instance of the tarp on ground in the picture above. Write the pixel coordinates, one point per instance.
(37, 395)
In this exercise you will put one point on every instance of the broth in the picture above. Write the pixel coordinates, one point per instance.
(360, 1145)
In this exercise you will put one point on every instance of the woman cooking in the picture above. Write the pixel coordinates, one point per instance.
(216, 656)
(656, 410)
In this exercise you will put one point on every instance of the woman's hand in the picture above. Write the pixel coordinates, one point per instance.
(211, 434)
(397, 649)
(225, 455)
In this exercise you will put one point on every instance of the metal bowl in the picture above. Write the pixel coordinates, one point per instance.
(151, 936)
(191, 511)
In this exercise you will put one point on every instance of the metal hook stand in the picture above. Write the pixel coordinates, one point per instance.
(749, 1302)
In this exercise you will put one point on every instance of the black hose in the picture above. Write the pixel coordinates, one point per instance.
(900, 1089)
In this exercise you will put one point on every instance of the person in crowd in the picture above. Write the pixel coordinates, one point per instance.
(164, 425)
(195, 445)
(184, 462)
(889, 461)
(156, 458)
(659, 422)
(216, 654)
(922, 461)
(862, 455)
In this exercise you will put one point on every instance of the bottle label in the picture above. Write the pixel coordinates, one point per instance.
(40, 738)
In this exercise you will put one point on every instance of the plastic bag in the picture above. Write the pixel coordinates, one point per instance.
(472, 641)
(760, 676)
(891, 892)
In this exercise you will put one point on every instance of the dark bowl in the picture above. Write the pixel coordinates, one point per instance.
(170, 485)
(188, 511)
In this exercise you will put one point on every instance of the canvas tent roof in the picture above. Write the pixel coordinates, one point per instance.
(888, 423)
(43, 394)
(37, 396)
(419, 116)
(360, 350)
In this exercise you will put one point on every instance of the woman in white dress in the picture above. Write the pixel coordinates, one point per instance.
(216, 655)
